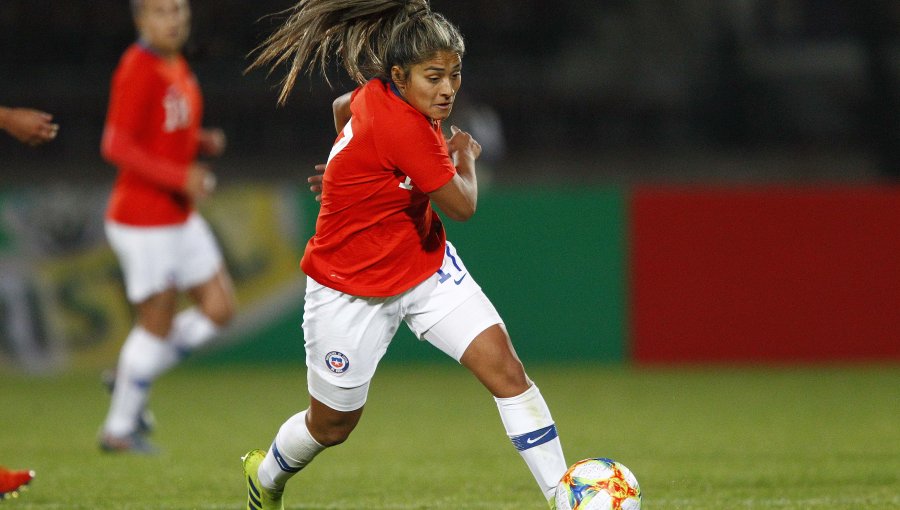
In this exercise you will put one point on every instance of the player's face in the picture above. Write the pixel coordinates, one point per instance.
(431, 86)
(164, 24)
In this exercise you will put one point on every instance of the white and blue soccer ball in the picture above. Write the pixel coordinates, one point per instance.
(598, 484)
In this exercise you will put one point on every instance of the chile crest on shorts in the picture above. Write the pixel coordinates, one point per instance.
(337, 362)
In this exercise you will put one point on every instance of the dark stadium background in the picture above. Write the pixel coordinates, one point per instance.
(605, 90)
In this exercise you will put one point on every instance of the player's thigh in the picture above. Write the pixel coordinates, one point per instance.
(449, 309)
(345, 338)
(462, 324)
(147, 257)
(198, 254)
(474, 335)
(215, 297)
(494, 362)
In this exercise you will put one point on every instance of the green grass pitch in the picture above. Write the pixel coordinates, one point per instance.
(697, 438)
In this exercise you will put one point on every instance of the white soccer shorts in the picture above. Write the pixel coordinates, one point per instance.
(346, 336)
(154, 259)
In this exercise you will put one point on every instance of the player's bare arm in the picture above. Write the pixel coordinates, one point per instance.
(341, 109)
(200, 182)
(29, 126)
(459, 197)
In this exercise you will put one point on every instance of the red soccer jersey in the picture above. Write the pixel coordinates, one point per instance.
(376, 234)
(151, 135)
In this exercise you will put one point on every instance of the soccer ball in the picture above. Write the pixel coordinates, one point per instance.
(598, 484)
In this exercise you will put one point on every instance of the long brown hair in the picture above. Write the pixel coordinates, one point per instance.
(367, 36)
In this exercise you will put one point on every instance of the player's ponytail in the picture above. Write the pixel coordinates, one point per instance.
(367, 36)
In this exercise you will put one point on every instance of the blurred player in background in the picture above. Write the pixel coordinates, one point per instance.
(29, 126)
(33, 127)
(379, 255)
(153, 135)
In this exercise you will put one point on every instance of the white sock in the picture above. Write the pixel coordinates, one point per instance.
(291, 451)
(192, 329)
(143, 358)
(531, 429)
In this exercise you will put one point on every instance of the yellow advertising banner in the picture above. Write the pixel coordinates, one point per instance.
(70, 309)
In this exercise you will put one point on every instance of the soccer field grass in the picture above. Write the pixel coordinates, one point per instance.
(723, 438)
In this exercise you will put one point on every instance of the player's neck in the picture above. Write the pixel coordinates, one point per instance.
(165, 55)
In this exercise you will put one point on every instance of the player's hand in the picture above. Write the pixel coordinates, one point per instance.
(315, 181)
(200, 182)
(212, 142)
(462, 145)
(28, 126)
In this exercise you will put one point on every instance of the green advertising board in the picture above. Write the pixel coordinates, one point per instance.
(552, 260)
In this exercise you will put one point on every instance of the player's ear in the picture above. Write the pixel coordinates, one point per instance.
(398, 76)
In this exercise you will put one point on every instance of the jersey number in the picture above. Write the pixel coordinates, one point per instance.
(178, 111)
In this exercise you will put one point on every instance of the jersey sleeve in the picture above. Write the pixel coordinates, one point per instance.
(418, 151)
(131, 101)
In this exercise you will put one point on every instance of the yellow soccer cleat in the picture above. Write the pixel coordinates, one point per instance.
(258, 498)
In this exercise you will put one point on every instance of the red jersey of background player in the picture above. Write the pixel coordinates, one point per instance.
(376, 234)
(151, 135)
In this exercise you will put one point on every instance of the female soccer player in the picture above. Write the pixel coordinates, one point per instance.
(153, 135)
(379, 255)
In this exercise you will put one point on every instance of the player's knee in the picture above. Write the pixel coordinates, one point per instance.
(226, 314)
(506, 377)
(334, 437)
(328, 426)
(221, 311)
(333, 434)
(513, 380)
(156, 313)
(158, 324)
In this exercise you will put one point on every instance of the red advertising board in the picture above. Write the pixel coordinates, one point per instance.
(765, 274)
